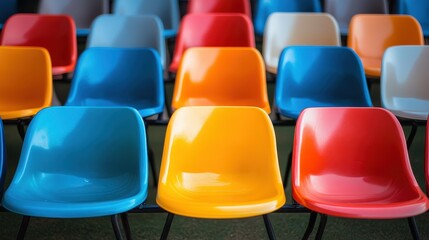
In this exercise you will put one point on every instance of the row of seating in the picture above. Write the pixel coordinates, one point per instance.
(79, 162)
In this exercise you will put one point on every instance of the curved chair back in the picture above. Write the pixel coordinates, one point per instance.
(404, 81)
(7, 9)
(220, 6)
(212, 30)
(289, 29)
(80, 162)
(265, 8)
(371, 34)
(83, 12)
(25, 81)
(56, 33)
(137, 31)
(316, 76)
(221, 77)
(119, 77)
(166, 10)
(417, 9)
(238, 178)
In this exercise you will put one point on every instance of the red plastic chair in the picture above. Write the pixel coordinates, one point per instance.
(212, 30)
(56, 33)
(220, 6)
(353, 163)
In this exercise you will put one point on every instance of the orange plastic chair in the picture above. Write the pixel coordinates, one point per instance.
(221, 77)
(353, 163)
(212, 30)
(220, 6)
(371, 34)
(216, 166)
(25, 82)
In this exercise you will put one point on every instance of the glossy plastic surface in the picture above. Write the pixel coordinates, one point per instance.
(289, 29)
(404, 81)
(137, 31)
(56, 33)
(212, 30)
(371, 34)
(119, 77)
(221, 77)
(82, 11)
(416, 8)
(25, 81)
(215, 165)
(166, 10)
(2, 158)
(318, 76)
(220, 6)
(7, 9)
(80, 162)
(264, 8)
(344, 10)
(353, 162)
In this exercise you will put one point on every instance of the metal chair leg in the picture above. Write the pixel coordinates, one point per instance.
(322, 225)
(116, 227)
(269, 227)
(412, 135)
(23, 228)
(413, 227)
(287, 170)
(167, 226)
(126, 225)
(310, 225)
(152, 166)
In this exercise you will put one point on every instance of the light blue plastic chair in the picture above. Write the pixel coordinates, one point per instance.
(265, 7)
(7, 9)
(2, 158)
(416, 8)
(79, 162)
(166, 10)
(142, 31)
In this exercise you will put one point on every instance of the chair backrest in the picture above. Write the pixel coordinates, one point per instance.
(288, 29)
(137, 31)
(352, 154)
(220, 6)
(371, 34)
(417, 9)
(212, 30)
(167, 10)
(344, 10)
(25, 81)
(265, 8)
(404, 81)
(7, 9)
(119, 77)
(56, 33)
(319, 76)
(2, 158)
(82, 11)
(221, 77)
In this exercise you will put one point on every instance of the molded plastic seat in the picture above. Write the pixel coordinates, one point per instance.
(215, 165)
(80, 162)
(371, 34)
(119, 77)
(353, 163)
(221, 77)
(344, 10)
(25, 81)
(288, 29)
(166, 10)
(7, 9)
(265, 8)
(317, 76)
(138, 31)
(404, 81)
(212, 30)
(82, 11)
(220, 6)
(416, 8)
(56, 33)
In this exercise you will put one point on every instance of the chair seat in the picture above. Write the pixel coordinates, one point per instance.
(6, 114)
(413, 114)
(372, 66)
(82, 32)
(169, 33)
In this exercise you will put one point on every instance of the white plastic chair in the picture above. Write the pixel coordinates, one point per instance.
(288, 29)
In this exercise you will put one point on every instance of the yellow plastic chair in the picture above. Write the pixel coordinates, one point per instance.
(371, 34)
(221, 76)
(216, 166)
(25, 83)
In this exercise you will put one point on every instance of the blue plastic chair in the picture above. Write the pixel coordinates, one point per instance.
(7, 9)
(265, 7)
(416, 8)
(2, 158)
(167, 10)
(79, 162)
